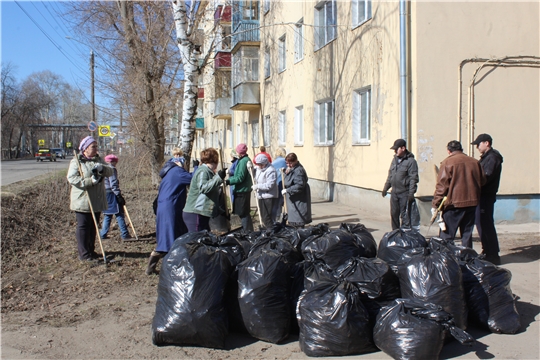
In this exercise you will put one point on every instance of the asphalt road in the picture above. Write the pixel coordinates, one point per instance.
(17, 170)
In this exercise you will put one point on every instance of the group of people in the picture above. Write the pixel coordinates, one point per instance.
(180, 210)
(468, 187)
(465, 192)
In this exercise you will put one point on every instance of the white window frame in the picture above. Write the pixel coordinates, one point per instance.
(267, 131)
(229, 136)
(267, 71)
(325, 23)
(360, 12)
(361, 116)
(299, 41)
(299, 125)
(282, 128)
(255, 133)
(282, 61)
(324, 123)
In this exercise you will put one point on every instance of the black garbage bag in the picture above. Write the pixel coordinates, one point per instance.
(462, 253)
(264, 283)
(298, 236)
(190, 307)
(413, 329)
(377, 283)
(489, 297)
(297, 286)
(366, 241)
(334, 247)
(434, 277)
(333, 320)
(396, 242)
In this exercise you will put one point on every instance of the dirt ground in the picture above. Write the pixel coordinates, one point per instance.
(56, 307)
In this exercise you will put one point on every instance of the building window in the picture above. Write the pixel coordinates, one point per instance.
(255, 133)
(266, 63)
(325, 23)
(266, 6)
(324, 122)
(282, 54)
(229, 138)
(250, 9)
(361, 11)
(299, 41)
(246, 65)
(299, 125)
(238, 136)
(282, 129)
(267, 132)
(245, 132)
(361, 116)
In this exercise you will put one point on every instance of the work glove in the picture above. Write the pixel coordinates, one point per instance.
(96, 179)
(411, 199)
(195, 163)
(433, 212)
(254, 187)
(222, 173)
(121, 201)
(283, 192)
(227, 182)
(97, 170)
(384, 193)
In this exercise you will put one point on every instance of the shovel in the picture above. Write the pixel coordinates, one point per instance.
(284, 212)
(131, 223)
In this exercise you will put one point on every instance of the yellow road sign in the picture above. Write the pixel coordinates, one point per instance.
(41, 142)
(104, 130)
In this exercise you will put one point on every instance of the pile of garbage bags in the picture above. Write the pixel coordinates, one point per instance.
(340, 292)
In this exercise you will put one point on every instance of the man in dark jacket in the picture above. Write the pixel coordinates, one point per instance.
(460, 179)
(491, 162)
(402, 178)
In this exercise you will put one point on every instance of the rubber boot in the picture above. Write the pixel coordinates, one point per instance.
(152, 262)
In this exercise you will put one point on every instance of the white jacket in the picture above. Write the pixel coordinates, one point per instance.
(266, 180)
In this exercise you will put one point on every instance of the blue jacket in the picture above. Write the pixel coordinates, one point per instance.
(279, 163)
(171, 201)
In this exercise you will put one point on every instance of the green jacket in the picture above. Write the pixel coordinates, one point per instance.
(241, 179)
(203, 195)
(82, 185)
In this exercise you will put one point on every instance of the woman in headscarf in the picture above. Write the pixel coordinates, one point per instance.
(297, 192)
(116, 202)
(85, 174)
(265, 188)
(171, 200)
(203, 199)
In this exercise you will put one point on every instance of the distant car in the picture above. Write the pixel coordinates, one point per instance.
(45, 154)
(60, 153)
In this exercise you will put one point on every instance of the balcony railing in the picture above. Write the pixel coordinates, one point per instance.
(246, 96)
(199, 123)
(223, 108)
(223, 14)
(200, 93)
(246, 31)
(222, 60)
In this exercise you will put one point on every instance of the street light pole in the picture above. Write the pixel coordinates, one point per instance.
(92, 84)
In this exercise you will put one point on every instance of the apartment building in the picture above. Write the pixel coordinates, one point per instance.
(337, 82)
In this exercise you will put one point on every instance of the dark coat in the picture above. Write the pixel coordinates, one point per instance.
(491, 163)
(403, 175)
(171, 201)
(112, 187)
(298, 196)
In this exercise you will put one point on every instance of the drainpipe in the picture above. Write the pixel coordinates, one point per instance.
(403, 67)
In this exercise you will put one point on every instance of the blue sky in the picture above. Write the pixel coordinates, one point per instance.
(34, 39)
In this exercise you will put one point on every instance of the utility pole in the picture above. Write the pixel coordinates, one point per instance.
(92, 84)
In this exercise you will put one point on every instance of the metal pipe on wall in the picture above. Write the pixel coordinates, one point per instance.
(403, 68)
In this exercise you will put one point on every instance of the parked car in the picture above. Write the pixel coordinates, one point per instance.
(45, 154)
(60, 153)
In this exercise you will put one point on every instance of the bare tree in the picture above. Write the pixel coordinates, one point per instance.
(136, 54)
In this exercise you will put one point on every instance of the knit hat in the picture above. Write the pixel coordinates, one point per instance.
(111, 158)
(234, 154)
(86, 142)
(261, 159)
(241, 149)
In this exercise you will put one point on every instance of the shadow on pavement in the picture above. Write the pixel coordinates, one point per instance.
(522, 254)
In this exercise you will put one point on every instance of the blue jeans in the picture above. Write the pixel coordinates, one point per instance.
(124, 233)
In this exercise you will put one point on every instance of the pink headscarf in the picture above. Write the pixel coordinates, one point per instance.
(111, 158)
(241, 149)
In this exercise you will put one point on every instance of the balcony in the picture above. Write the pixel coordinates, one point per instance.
(222, 108)
(222, 60)
(246, 96)
(246, 33)
(223, 14)
(200, 93)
